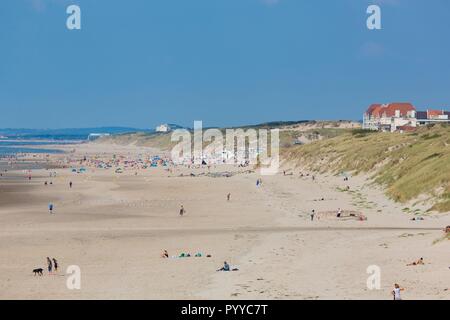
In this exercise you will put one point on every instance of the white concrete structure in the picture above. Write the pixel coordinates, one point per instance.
(94, 136)
(163, 128)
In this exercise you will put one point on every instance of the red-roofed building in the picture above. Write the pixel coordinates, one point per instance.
(433, 116)
(387, 117)
(400, 116)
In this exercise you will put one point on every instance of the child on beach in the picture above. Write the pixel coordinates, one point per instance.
(396, 292)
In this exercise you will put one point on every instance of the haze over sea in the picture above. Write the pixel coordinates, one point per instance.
(11, 147)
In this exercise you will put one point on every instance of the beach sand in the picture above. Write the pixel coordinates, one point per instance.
(114, 226)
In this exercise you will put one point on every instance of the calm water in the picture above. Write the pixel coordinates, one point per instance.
(12, 147)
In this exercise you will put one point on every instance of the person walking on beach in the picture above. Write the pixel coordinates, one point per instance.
(55, 264)
(396, 292)
(313, 214)
(228, 196)
(50, 207)
(49, 265)
(182, 211)
(70, 184)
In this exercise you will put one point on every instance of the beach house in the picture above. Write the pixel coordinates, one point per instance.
(401, 117)
(387, 117)
(163, 128)
(433, 116)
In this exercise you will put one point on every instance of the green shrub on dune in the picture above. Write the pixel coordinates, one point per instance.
(408, 164)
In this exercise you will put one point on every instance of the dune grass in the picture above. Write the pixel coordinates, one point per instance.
(161, 141)
(408, 164)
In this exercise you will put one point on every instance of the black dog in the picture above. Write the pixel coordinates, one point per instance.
(38, 271)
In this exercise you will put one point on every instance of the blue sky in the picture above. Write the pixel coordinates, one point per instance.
(226, 62)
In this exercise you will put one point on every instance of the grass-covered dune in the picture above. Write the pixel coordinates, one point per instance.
(407, 164)
(161, 141)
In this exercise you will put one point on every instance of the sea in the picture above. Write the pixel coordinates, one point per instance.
(11, 147)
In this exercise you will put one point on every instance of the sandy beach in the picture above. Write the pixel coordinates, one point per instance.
(115, 225)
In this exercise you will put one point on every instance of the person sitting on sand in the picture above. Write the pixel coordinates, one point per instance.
(182, 211)
(339, 213)
(396, 292)
(50, 207)
(419, 262)
(165, 254)
(226, 267)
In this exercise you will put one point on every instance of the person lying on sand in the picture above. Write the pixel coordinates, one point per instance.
(184, 255)
(165, 254)
(419, 262)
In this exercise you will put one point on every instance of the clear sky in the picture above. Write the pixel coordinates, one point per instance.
(226, 62)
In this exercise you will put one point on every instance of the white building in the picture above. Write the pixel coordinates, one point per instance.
(94, 136)
(163, 128)
(388, 117)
